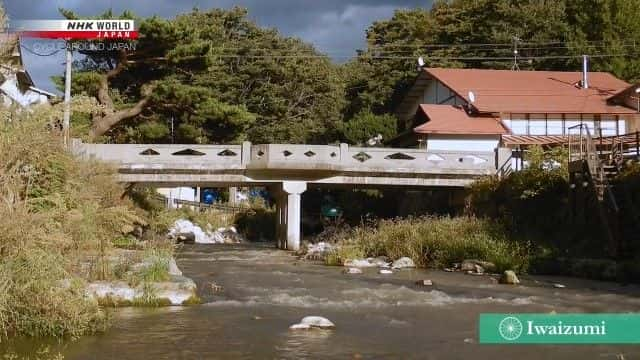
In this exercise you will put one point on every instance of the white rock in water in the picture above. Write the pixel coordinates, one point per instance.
(117, 290)
(183, 226)
(559, 286)
(173, 268)
(385, 271)
(359, 263)
(509, 277)
(299, 327)
(425, 282)
(353, 270)
(403, 262)
(380, 261)
(178, 290)
(317, 321)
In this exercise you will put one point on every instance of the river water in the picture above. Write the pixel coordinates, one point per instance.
(265, 290)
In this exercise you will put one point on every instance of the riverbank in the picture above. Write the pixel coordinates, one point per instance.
(262, 291)
(64, 224)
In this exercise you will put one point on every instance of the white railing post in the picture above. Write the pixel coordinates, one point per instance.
(344, 152)
(246, 153)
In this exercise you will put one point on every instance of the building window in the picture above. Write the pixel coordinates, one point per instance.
(608, 125)
(589, 121)
(537, 124)
(571, 120)
(519, 124)
(554, 124)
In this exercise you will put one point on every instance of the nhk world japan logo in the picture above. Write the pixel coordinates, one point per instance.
(559, 328)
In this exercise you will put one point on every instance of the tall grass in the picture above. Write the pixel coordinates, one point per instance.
(56, 213)
(435, 242)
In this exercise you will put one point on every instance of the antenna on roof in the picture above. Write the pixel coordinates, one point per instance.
(515, 54)
(472, 97)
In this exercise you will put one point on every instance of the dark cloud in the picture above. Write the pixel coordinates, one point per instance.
(333, 26)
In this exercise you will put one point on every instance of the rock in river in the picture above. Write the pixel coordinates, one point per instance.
(509, 277)
(358, 263)
(352, 270)
(477, 266)
(403, 262)
(309, 322)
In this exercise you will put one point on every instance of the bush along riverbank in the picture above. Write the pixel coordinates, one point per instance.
(437, 242)
(522, 222)
(534, 207)
(63, 221)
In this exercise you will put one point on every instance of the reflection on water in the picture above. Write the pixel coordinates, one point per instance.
(376, 316)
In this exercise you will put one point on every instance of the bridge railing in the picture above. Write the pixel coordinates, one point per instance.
(289, 157)
(162, 155)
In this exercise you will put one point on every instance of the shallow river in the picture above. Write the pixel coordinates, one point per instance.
(376, 316)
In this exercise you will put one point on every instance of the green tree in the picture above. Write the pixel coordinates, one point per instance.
(609, 28)
(447, 36)
(365, 125)
(220, 77)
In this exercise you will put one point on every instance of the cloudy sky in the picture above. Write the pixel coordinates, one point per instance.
(334, 26)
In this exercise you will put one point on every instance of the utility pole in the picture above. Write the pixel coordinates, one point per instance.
(67, 94)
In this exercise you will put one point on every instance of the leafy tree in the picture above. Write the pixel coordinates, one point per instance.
(220, 77)
(442, 36)
(610, 28)
(365, 125)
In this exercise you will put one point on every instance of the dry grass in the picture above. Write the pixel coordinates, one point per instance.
(56, 211)
(434, 242)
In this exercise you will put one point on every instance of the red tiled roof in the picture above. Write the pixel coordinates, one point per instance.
(505, 91)
(450, 119)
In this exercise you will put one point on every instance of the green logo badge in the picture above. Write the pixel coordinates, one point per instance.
(510, 328)
(559, 328)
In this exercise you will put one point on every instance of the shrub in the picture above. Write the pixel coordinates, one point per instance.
(436, 242)
(365, 125)
(257, 222)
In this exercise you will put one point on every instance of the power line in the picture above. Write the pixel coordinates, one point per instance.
(397, 57)
(37, 53)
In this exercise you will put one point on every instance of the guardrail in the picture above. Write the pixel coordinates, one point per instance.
(340, 157)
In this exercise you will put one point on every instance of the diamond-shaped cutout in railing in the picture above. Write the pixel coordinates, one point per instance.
(227, 152)
(333, 154)
(287, 153)
(260, 153)
(362, 156)
(149, 152)
(399, 156)
(309, 153)
(188, 152)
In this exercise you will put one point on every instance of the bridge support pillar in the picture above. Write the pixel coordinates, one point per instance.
(289, 211)
(233, 195)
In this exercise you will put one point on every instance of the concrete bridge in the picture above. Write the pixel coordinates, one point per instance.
(288, 169)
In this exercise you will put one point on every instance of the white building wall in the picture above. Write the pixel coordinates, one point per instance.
(462, 142)
(438, 93)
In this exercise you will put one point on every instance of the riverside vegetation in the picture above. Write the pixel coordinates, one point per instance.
(521, 222)
(62, 221)
(432, 242)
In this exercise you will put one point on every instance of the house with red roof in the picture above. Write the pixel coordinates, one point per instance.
(473, 109)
